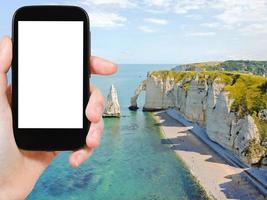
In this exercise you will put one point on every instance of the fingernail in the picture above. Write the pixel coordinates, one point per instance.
(112, 64)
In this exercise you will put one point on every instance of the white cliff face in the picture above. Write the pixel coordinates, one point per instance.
(218, 123)
(180, 98)
(195, 101)
(248, 131)
(112, 106)
(206, 103)
(225, 128)
(160, 95)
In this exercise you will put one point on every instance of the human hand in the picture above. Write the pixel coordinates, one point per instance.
(19, 169)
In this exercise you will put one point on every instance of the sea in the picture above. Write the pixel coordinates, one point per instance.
(132, 162)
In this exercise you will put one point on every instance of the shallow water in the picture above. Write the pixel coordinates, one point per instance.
(131, 162)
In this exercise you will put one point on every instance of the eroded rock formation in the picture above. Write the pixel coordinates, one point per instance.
(263, 115)
(205, 102)
(139, 89)
(112, 106)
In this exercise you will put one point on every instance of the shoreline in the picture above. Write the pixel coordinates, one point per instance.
(219, 179)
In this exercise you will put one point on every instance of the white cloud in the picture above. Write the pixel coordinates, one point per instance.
(184, 6)
(155, 11)
(229, 11)
(254, 29)
(146, 29)
(201, 34)
(158, 3)
(117, 3)
(105, 13)
(105, 19)
(194, 16)
(179, 7)
(156, 21)
(210, 25)
(246, 16)
(242, 11)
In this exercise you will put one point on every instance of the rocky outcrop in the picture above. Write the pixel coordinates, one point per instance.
(160, 95)
(204, 101)
(139, 89)
(263, 115)
(112, 106)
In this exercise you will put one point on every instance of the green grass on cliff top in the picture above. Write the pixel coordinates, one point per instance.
(224, 77)
(249, 92)
(254, 67)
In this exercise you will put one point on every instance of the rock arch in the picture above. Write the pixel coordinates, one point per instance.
(139, 89)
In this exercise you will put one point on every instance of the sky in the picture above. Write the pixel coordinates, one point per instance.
(167, 31)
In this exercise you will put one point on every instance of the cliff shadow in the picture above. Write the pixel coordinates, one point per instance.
(234, 185)
(181, 139)
(239, 187)
(182, 143)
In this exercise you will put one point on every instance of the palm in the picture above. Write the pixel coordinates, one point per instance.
(27, 165)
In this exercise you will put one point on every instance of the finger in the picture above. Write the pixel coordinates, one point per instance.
(101, 66)
(56, 153)
(79, 156)
(95, 106)
(5, 62)
(92, 141)
(94, 135)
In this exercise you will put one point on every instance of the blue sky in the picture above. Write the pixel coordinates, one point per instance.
(168, 31)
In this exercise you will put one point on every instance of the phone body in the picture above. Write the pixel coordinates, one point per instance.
(50, 77)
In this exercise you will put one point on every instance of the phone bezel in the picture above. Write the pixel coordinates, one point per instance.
(50, 139)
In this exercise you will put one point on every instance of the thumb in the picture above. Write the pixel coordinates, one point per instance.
(5, 62)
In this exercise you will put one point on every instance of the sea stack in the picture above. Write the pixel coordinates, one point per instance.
(112, 107)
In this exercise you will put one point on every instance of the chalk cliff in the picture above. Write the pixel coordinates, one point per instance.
(112, 106)
(207, 98)
(164, 96)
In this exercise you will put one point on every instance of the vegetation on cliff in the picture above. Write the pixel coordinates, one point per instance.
(255, 67)
(250, 97)
(249, 92)
(254, 150)
(176, 76)
(244, 66)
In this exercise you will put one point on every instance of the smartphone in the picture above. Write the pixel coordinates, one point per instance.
(50, 77)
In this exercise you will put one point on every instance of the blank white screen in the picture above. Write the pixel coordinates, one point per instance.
(50, 69)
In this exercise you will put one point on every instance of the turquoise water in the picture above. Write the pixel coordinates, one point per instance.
(130, 164)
